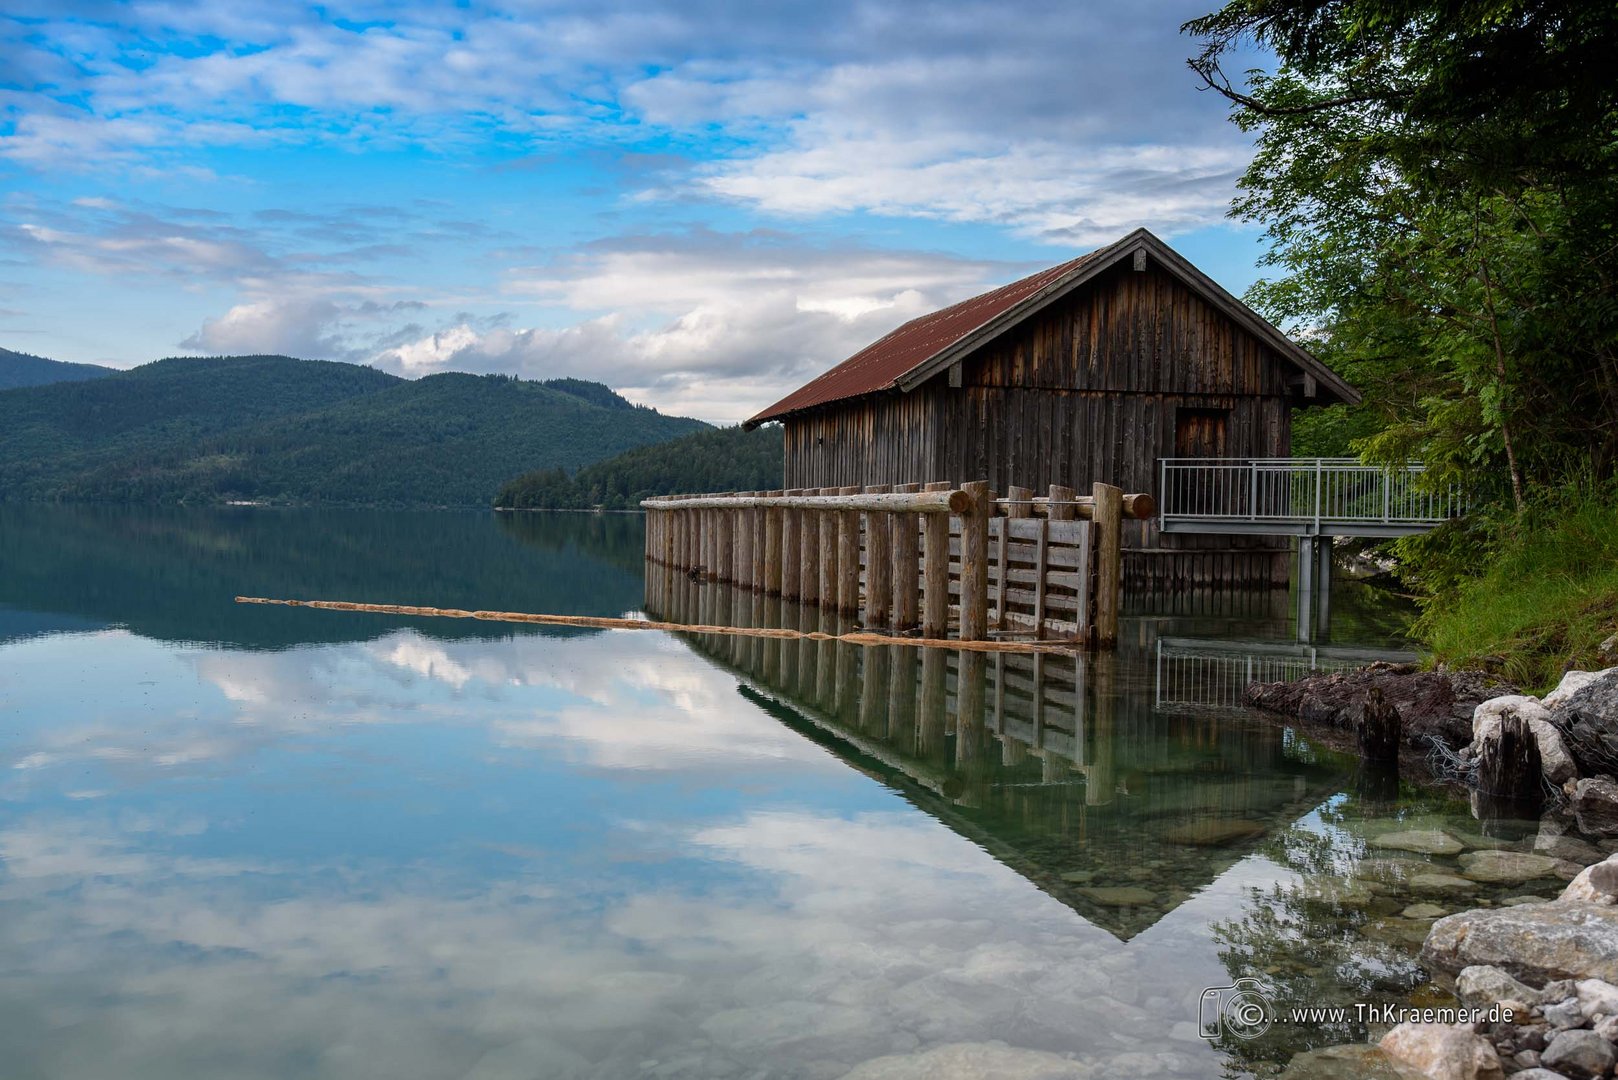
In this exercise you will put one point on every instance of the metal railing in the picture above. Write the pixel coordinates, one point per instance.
(1303, 494)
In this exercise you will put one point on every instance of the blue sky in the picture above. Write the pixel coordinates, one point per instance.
(701, 204)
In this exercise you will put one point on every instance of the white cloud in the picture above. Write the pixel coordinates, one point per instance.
(294, 325)
(727, 323)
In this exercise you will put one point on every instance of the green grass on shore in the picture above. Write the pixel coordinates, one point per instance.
(1541, 601)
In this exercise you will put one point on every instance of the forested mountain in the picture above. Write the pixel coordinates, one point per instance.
(276, 429)
(723, 459)
(23, 369)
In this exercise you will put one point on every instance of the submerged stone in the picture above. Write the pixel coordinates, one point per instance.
(1419, 841)
(1424, 911)
(1119, 895)
(968, 1061)
(1355, 1061)
(1447, 884)
(1215, 833)
(1506, 867)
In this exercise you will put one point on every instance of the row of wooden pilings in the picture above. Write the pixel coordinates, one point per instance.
(810, 545)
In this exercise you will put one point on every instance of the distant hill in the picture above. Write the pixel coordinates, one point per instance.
(720, 459)
(276, 429)
(22, 369)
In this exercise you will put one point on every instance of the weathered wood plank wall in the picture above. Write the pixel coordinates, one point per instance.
(1088, 390)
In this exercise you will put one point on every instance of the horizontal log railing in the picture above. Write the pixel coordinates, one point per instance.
(912, 559)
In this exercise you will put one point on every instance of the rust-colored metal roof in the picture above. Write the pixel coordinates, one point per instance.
(922, 347)
(881, 364)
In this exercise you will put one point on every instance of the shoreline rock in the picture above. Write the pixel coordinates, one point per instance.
(1433, 704)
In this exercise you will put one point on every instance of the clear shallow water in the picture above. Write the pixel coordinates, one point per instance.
(241, 841)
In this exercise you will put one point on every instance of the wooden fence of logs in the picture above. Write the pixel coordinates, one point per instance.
(909, 557)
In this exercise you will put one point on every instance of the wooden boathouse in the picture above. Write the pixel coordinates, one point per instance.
(1089, 372)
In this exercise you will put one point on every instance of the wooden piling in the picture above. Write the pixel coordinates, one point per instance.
(878, 562)
(1060, 509)
(809, 526)
(826, 527)
(1108, 523)
(791, 550)
(708, 533)
(773, 520)
(743, 549)
(1020, 505)
(725, 550)
(755, 572)
(848, 557)
(906, 575)
(935, 570)
(975, 562)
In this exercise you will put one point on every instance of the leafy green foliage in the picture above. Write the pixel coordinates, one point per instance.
(1438, 184)
(24, 369)
(275, 429)
(1545, 598)
(724, 459)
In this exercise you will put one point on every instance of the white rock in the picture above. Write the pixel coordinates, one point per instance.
(1443, 1051)
(1572, 682)
(1596, 884)
(1556, 763)
(1486, 717)
(1482, 985)
(1597, 998)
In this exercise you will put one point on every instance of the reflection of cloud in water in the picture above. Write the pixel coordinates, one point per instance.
(638, 703)
(855, 940)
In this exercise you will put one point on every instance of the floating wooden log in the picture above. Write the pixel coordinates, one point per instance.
(1136, 506)
(936, 499)
(603, 622)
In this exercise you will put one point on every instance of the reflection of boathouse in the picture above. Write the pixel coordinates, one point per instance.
(1057, 764)
(1090, 371)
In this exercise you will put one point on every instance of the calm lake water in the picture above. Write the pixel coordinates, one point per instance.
(264, 842)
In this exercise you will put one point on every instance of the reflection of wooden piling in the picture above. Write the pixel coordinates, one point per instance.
(1099, 788)
(874, 691)
(902, 699)
(930, 725)
(970, 671)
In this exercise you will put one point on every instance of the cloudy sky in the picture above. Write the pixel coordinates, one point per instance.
(702, 204)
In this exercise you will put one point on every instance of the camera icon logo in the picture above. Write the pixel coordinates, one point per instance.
(1242, 1010)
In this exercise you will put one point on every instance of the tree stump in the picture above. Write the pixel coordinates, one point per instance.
(1509, 768)
(1381, 729)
